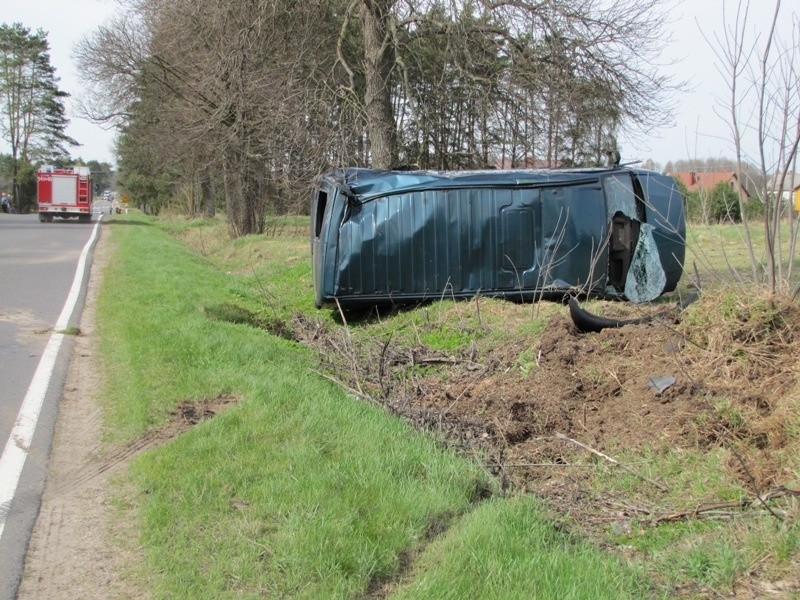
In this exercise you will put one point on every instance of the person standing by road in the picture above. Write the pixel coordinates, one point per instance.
(5, 204)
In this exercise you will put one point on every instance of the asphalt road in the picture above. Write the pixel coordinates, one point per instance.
(40, 280)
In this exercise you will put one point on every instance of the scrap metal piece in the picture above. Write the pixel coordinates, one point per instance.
(659, 384)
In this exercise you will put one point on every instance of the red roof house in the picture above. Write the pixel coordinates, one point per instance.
(708, 180)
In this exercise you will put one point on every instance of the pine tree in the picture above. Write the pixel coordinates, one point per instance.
(33, 119)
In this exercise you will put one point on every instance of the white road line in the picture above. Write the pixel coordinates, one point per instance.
(19, 442)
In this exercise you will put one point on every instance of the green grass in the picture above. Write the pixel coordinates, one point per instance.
(507, 549)
(713, 553)
(346, 486)
(306, 498)
(720, 254)
(274, 269)
(716, 554)
(300, 491)
(297, 490)
(689, 475)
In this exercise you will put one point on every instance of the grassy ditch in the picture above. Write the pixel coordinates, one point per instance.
(697, 486)
(296, 489)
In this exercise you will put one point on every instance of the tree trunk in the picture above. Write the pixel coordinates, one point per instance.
(207, 196)
(244, 194)
(377, 64)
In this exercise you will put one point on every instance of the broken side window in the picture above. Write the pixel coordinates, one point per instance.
(624, 228)
(634, 267)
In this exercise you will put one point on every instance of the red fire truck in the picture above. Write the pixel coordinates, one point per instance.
(64, 193)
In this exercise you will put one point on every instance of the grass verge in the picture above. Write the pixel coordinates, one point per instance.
(297, 490)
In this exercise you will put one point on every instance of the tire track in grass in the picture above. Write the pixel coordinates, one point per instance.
(185, 416)
(381, 587)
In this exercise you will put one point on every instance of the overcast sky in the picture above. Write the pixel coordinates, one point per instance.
(697, 131)
(700, 129)
(65, 22)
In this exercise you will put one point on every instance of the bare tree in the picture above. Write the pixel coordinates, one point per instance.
(763, 79)
(257, 98)
(562, 62)
(225, 95)
(110, 60)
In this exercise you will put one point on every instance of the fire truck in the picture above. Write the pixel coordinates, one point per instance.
(64, 193)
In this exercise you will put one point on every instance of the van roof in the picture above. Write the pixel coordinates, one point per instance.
(368, 184)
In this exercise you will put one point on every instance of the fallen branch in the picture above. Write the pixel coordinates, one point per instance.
(614, 462)
(627, 508)
(441, 360)
(436, 361)
(550, 464)
(715, 509)
(347, 388)
(349, 344)
(700, 510)
(719, 506)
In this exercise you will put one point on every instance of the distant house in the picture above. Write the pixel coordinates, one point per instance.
(708, 180)
(797, 199)
(791, 181)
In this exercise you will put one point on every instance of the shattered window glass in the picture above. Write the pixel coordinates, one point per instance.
(620, 196)
(645, 277)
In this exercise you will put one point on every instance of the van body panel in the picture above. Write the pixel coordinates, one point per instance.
(395, 236)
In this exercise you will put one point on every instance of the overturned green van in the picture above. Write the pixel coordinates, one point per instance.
(400, 237)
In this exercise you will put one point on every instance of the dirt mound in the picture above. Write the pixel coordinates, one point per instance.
(723, 373)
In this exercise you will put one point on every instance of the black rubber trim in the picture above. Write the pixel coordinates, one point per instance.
(587, 322)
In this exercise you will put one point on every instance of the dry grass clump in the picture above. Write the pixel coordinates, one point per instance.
(740, 338)
(745, 351)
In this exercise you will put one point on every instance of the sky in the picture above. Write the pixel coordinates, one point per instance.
(66, 22)
(697, 131)
(701, 129)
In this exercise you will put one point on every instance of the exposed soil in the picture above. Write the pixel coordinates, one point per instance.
(730, 382)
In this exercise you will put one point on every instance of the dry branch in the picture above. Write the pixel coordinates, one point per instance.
(725, 506)
(614, 462)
